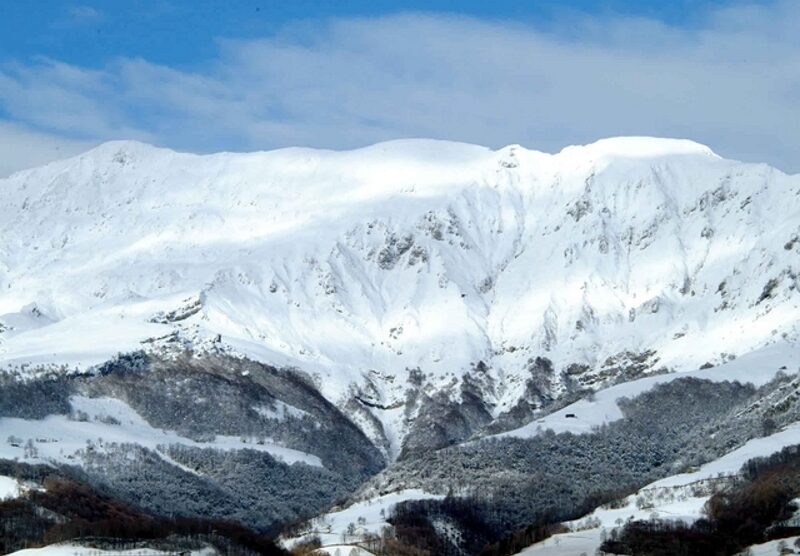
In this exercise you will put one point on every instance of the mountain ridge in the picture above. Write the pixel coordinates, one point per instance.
(509, 277)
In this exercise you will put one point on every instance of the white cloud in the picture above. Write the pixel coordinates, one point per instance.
(22, 148)
(732, 83)
(84, 14)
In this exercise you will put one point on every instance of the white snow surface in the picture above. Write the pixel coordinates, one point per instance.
(757, 368)
(342, 550)
(403, 255)
(773, 548)
(9, 488)
(68, 549)
(365, 515)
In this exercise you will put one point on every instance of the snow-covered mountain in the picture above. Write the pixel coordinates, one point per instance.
(356, 335)
(507, 277)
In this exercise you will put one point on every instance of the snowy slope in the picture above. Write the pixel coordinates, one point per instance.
(9, 488)
(757, 368)
(359, 267)
(107, 422)
(78, 550)
(677, 497)
(367, 517)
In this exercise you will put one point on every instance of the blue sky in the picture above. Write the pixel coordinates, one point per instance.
(183, 32)
(247, 74)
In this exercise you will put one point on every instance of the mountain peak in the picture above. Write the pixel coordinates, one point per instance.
(442, 151)
(121, 150)
(638, 147)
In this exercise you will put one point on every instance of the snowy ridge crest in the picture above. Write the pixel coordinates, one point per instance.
(439, 265)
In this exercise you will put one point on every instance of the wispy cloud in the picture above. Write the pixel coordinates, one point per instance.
(84, 14)
(732, 83)
(22, 148)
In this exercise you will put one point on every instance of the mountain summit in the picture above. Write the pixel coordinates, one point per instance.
(441, 267)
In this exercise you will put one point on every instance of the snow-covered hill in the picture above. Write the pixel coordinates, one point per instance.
(510, 276)
(680, 497)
